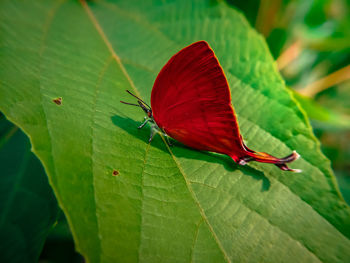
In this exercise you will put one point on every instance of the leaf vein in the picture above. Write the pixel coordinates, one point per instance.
(188, 184)
(195, 238)
(142, 199)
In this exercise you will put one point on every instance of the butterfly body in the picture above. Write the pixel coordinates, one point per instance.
(191, 102)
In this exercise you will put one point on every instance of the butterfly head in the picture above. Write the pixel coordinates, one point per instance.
(143, 105)
(147, 109)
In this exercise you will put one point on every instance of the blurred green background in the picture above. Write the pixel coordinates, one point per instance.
(310, 41)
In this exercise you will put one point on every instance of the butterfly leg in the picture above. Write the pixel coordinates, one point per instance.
(144, 123)
(167, 138)
(153, 132)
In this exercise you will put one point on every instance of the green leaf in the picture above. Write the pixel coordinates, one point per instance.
(28, 208)
(165, 204)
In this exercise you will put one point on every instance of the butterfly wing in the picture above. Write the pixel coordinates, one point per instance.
(191, 102)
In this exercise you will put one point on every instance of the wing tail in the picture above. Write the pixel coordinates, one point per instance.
(263, 157)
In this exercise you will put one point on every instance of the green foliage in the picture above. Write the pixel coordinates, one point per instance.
(166, 204)
(28, 207)
(321, 114)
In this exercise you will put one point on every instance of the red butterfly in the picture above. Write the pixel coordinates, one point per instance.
(191, 102)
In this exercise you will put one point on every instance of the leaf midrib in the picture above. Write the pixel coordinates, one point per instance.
(109, 45)
(189, 187)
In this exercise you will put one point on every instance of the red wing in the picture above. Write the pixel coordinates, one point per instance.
(191, 101)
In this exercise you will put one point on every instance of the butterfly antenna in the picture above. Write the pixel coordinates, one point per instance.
(130, 103)
(138, 98)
